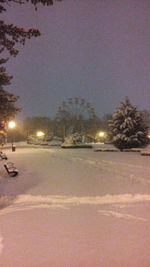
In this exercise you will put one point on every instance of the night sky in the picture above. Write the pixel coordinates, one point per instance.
(98, 50)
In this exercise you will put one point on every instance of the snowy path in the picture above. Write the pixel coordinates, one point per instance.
(73, 208)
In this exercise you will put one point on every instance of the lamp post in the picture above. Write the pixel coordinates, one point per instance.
(12, 125)
(40, 135)
(102, 136)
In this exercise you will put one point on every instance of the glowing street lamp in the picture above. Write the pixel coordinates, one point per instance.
(40, 134)
(101, 134)
(12, 125)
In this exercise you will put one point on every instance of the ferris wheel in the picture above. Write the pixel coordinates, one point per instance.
(75, 113)
(76, 108)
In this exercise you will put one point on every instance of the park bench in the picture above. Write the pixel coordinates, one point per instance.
(11, 169)
(9, 166)
(3, 156)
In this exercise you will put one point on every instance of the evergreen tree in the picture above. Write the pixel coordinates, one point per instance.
(7, 106)
(7, 111)
(7, 100)
(10, 35)
(127, 127)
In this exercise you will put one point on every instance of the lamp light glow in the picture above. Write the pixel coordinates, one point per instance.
(40, 134)
(11, 124)
(101, 134)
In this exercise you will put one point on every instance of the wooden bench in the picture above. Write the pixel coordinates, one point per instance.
(11, 169)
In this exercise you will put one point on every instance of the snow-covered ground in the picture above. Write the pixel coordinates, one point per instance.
(75, 207)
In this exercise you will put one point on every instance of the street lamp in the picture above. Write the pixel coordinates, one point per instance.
(101, 134)
(12, 125)
(40, 134)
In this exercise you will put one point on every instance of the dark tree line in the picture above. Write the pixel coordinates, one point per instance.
(61, 128)
(126, 128)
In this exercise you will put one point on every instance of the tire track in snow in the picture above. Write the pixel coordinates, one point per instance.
(121, 215)
(120, 170)
(30, 202)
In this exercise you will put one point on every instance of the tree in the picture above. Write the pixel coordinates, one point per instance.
(7, 100)
(7, 106)
(7, 111)
(34, 124)
(146, 116)
(10, 35)
(4, 77)
(105, 121)
(127, 127)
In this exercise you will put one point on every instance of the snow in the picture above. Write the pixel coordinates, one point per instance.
(75, 208)
(1, 243)
(127, 127)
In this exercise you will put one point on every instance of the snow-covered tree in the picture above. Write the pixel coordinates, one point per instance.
(127, 127)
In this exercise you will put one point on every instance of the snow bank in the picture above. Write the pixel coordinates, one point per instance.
(145, 152)
(28, 202)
